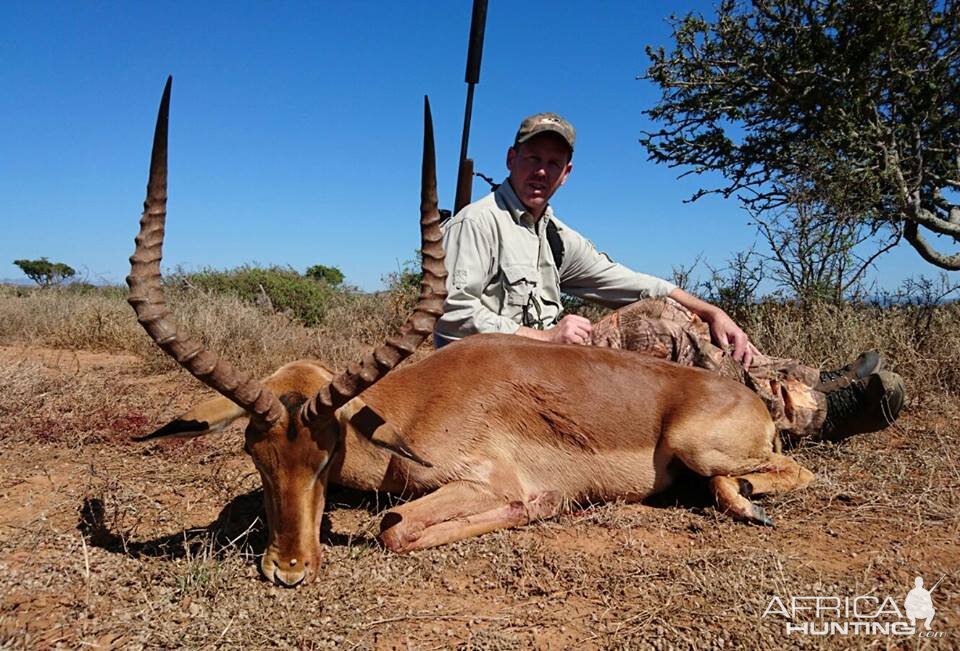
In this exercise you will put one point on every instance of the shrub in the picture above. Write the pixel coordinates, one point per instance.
(403, 288)
(280, 289)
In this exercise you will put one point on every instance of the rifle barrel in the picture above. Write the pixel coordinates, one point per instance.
(478, 24)
(467, 114)
(937, 583)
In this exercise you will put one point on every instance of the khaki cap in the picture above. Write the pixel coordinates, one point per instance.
(545, 122)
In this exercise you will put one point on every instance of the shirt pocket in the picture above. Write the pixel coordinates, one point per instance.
(519, 282)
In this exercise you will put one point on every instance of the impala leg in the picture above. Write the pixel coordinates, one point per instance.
(457, 511)
(728, 493)
(778, 475)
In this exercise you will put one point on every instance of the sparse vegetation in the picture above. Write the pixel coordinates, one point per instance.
(115, 544)
(100, 320)
(915, 330)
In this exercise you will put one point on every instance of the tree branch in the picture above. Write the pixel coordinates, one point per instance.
(912, 235)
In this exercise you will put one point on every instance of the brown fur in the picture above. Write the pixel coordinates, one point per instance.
(509, 430)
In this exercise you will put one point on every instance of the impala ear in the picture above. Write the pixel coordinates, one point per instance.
(210, 416)
(371, 425)
(390, 439)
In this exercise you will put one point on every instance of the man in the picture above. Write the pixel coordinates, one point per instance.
(509, 258)
(919, 604)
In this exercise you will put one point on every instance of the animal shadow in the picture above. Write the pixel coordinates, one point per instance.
(240, 525)
(688, 491)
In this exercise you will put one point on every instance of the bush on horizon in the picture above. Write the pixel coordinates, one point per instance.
(275, 288)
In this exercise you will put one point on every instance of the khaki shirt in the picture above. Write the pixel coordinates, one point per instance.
(502, 273)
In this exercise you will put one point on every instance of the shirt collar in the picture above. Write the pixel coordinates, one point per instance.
(517, 210)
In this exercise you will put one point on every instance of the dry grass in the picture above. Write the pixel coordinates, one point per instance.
(110, 544)
(100, 320)
(921, 343)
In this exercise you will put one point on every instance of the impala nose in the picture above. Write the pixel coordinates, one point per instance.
(285, 572)
(288, 578)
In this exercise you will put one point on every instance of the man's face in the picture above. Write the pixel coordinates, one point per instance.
(538, 167)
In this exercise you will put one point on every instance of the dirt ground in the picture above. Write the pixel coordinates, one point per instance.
(106, 543)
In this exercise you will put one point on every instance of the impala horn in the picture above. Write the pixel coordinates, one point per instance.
(147, 299)
(428, 309)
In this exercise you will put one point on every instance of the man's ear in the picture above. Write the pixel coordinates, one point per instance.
(206, 418)
(566, 173)
(511, 156)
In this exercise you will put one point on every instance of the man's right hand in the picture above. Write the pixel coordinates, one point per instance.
(572, 329)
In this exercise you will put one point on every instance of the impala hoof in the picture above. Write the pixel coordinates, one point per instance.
(398, 535)
(758, 515)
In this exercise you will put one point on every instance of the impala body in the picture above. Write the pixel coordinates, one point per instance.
(495, 431)
(491, 432)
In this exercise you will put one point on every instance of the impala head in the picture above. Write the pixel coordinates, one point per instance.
(293, 458)
(293, 434)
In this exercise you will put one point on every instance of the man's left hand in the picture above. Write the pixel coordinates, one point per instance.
(724, 332)
(728, 334)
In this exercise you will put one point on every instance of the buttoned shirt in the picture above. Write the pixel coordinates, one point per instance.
(502, 274)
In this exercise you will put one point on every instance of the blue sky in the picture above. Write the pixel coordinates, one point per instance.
(296, 130)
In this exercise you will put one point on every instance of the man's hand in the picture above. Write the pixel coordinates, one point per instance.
(727, 333)
(572, 329)
(724, 332)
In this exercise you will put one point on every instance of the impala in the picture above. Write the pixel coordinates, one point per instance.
(491, 432)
